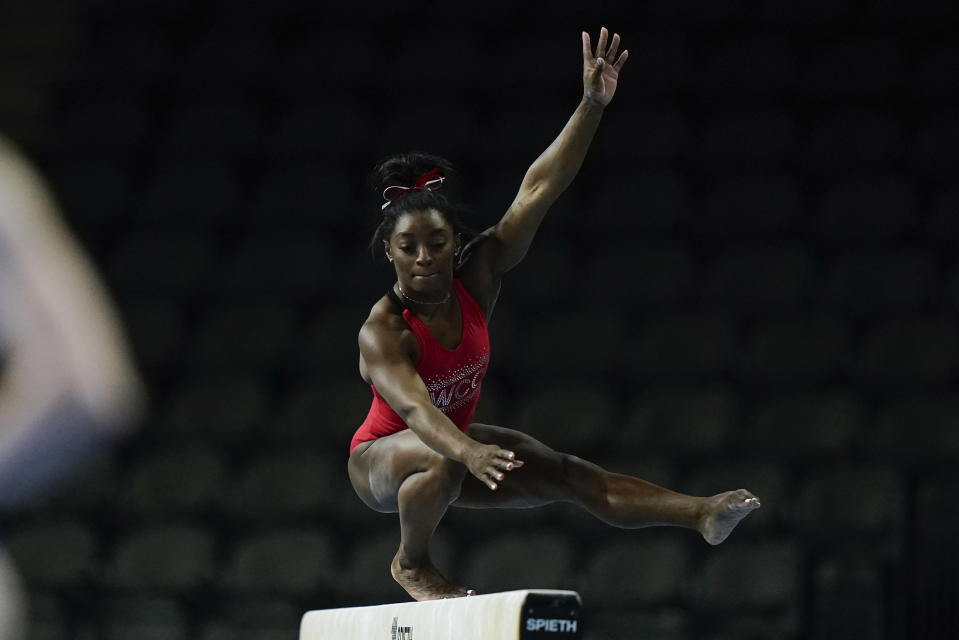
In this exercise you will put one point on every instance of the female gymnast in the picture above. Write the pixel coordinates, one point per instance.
(424, 350)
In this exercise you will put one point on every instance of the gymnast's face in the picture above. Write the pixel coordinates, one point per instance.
(423, 246)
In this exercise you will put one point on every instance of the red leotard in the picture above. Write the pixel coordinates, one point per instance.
(453, 376)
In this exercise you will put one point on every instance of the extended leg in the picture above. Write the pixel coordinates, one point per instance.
(620, 500)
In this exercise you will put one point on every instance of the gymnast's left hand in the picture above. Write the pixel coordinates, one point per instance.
(601, 71)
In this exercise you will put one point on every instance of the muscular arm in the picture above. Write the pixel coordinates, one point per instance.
(554, 170)
(391, 370)
(392, 373)
(545, 180)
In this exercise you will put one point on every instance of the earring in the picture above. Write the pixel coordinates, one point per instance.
(390, 258)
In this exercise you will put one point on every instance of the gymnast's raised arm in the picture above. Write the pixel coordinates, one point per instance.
(508, 241)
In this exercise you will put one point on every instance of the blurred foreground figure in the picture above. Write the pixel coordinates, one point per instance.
(68, 384)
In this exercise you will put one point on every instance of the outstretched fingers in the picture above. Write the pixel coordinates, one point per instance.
(621, 61)
(613, 48)
(504, 462)
(601, 45)
(604, 53)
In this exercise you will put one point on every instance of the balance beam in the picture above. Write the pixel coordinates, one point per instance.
(511, 615)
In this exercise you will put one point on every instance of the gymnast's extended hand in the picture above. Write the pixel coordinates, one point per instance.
(489, 463)
(600, 75)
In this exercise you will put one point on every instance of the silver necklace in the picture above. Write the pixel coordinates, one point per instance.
(404, 294)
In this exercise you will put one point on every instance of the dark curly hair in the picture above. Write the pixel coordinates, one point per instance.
(403, 169)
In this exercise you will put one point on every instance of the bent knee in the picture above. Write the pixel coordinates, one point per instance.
(445, 470)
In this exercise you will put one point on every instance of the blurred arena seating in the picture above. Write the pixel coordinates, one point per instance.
(753, 282)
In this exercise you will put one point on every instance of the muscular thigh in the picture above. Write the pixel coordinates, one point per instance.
(378, 469)
(542, 479)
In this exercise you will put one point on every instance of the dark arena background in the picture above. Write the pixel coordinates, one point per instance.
(753, 282)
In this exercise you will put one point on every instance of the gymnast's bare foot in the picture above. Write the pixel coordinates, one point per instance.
(424, 582)
(723, 512)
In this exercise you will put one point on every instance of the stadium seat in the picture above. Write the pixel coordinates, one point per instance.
(330, 341)
(91, 489)
(919, 429)
(226, 408)
(296, 62)
(936, 498)
(300, 196)
(682, 347)
(856, 68)
(148, 58)
(276, 267)
(303, 134)
(854, 140)
(749, 138)
(163, 558)
(453, 132)
(188, 194)
(935, 145)
(295, 562)
(49, 617)
(758, 66)
(322, 411)
(655, 201)
(657, 137)
(643, 277)
(917, 351)
(811, 16)
(760, 278)
(545, 278)
(93, 194)
(104, 126)
(514, 134)
(638, 574)
(767, 576)
(575, 417)
(284, 484)
(752, 204)
(172, 481)
(852, 503)
(628, 624)
(213, 128)
(849, 597)
(805, 425)
(576, 342)
(941, 225)
(226, 57)
(935, 61)
(797, 349)
(146, 617)
(663, 62)
(680, 420)
(535, 559)
(156, 328)
(250, 618)
(864, 283)
(151, 263)
(54, 554)
(249, 334)
(878, 207)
